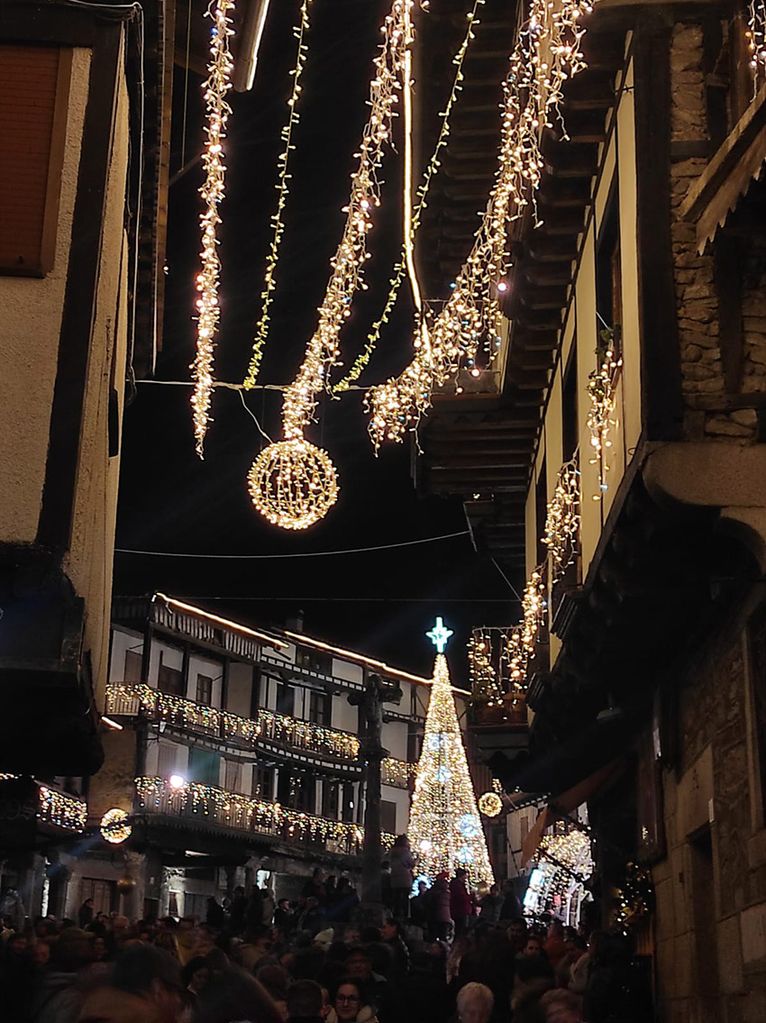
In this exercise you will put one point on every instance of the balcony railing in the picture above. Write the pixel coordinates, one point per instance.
(125, 699)
(56, 808)
(209, 805)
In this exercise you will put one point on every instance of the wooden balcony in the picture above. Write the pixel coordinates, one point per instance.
(291, 735)
(210, 807)
(30, 808)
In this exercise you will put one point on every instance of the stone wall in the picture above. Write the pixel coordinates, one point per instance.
(696, 299)
(711, 788)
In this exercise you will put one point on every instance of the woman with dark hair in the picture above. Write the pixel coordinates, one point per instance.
(236, 997)
(349, 1004)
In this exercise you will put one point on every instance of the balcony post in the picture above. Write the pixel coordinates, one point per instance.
(376, 692)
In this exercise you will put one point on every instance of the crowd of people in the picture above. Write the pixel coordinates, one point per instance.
(441, 955)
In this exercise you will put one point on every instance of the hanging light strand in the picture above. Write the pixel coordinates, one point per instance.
(283, 187)
(546, 54)
(562, 521)
(602, 393)
(421, 204)
(346, 278)
(217, 112)
(756, 33)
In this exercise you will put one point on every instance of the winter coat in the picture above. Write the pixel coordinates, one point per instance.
(461, 905)
(401, 867)
(58, 999)
(439, 903)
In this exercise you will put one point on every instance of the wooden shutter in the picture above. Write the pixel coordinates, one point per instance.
(33, 108)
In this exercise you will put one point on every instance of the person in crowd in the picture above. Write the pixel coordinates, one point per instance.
(345, 904)
(168, 942)
(143, 986)
(511, 908)
(314, 887)
(386, 893)
(575, 948)
(258, 943)
(423, 991)
(305, 1002)
(85, 914)
(195, 977)
(402, 863)
(419, 906)
(439, 914)
(533, 977)
(517, 935)
(59, 996)
(490, 905)
(561, 1006)
(276, 981)
(359, 967)
(214, 915)
(284, 918)
(237, 910)
(533, 947)
(475, 1003)
(391, 935)
(310, 917)
(554, 946)
(461, 906)
(349, 1005)
(235, 997)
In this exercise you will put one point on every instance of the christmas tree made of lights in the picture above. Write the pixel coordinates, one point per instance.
(445, 828)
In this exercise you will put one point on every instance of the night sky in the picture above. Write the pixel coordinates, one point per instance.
(383, 602)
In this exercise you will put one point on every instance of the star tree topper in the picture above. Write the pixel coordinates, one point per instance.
(439, 635)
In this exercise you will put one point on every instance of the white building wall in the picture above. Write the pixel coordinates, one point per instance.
(123, 639)
(205, 666)
(240, 688)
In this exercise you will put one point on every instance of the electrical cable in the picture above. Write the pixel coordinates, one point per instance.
(305, 554)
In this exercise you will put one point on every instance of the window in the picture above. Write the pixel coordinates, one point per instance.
(388, 816)
(285, 699)
(315, 661)
(570, 425)
(233, 776)
(348, 802)
(204, 766)
(204, 690)
(330, 799)
(103, 893)
(170, 680)
(263, 782)
(608, 271)
(34, 97)
(133, 666)
(304, 793)
(167, 758)
(320, 708)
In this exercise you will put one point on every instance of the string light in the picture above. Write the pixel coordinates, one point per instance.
(217, 111)
(296, 486)
(490, 804)
(130, 699)
(546, 54)
(245, 813)
(115, 826)
(445, 828)
(601, 389)
(61, 810)
(562, 521)
(635, 899)
(293, 483)
(269, 280)
(756, 33)
(522, 639)
(486, 684)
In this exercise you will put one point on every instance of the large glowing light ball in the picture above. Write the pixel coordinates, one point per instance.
(293, 484)
(490, 804)
(115, 826)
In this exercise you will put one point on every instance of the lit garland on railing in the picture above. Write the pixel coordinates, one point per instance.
(269, 279)
(756, 33)
(635, 900)
(245, 813)
(602, 383)
(400, 269)
(62, 810)
(562, 522)
(486, 685)
(217, 112)
(522, 639)
(547, 53)
(130, 699)
(294, 484)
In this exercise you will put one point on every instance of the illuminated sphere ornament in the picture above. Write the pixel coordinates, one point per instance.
(293, 484)
(490, 804)
(115, 826)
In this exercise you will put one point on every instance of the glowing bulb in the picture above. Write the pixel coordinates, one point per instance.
(177, 781)
(502, 287)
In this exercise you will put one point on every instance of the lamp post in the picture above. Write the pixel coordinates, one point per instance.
(377, 691)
